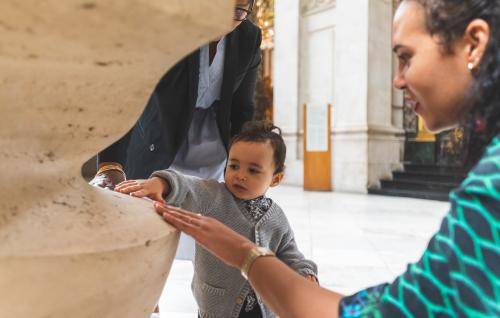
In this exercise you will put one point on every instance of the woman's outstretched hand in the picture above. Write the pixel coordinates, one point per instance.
(216, 237)
(286, 292)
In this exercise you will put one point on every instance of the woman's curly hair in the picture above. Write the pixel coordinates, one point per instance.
(448, 20)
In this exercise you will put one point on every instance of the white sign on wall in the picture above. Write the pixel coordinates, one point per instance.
(317, 128)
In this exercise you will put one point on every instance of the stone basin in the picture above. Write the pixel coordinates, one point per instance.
(74, 77)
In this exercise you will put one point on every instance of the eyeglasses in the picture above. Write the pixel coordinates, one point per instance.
(241, 14)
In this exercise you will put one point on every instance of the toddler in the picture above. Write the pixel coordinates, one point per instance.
(255, 163)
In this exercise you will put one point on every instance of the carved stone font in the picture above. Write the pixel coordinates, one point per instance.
(74, 77)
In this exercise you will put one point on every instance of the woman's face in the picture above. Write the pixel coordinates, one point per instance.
(243, 4)
(436, 81)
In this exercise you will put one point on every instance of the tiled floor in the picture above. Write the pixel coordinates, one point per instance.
(356, 240)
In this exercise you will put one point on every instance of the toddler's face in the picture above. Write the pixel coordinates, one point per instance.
(250, 169)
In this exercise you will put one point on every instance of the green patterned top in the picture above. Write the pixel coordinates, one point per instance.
(459, 273)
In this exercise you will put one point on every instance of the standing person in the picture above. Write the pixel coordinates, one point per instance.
(191, 116)
(256, 162)
(449, 64)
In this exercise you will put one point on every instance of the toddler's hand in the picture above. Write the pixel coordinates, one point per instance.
(152, 188)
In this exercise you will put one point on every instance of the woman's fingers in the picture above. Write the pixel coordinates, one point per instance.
(176, 221)
(160, 208)
(195, 221)
(184, 225)
(170, 213)
(186, 218)
(168, 208)
(158, 198)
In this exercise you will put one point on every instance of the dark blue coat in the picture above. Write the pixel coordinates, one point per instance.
(153, 142)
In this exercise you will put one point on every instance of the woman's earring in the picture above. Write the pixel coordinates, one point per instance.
(470, 66)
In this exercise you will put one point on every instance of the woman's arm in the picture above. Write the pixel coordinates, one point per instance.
(282, 289)
(289, 294)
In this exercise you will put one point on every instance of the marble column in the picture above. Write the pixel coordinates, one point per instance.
(317, 56)
(366, 146)
(286, 83)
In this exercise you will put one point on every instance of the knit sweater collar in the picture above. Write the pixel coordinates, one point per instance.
(256, 208)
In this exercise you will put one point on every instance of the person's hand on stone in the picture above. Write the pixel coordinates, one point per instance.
(153, 188)
(108, 179)
(220, 240)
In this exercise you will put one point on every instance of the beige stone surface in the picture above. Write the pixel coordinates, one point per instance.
(74, 77)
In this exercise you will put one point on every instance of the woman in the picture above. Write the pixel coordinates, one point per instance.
(194, 111)
(450, 67)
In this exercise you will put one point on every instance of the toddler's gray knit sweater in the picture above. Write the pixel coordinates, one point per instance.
(220, 290)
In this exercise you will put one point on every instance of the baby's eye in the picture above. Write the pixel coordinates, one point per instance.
(254, 171)
(233, 166)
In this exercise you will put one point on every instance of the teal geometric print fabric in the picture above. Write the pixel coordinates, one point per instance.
(459, 272)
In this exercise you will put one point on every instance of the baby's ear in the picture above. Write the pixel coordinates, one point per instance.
(277, 178)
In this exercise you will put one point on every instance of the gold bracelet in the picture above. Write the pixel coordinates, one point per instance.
(252, 255)
(109, 168)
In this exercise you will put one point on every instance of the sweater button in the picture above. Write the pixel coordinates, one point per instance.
(239, 301)
(152, 147)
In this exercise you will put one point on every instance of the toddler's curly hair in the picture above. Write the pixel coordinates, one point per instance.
(265, 131)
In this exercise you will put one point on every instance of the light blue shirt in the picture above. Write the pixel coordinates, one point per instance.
(203, 153)
(210, 82)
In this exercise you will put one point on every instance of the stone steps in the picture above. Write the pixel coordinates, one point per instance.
(422, 181)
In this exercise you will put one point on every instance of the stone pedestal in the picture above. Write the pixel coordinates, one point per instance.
(366, 143)
(286, 84)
